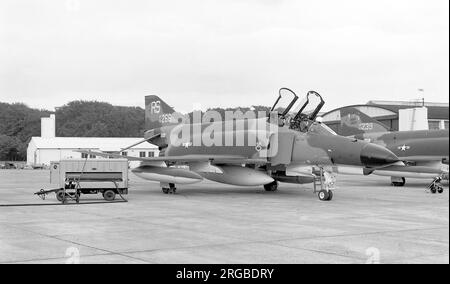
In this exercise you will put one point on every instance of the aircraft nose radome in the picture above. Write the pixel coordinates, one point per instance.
(373, 155)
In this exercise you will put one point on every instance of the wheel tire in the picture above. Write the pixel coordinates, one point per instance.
(60, 195)
(440, 190)
(165, 190)
(271, 187)
(433, 190)
(324, 195)
(399, 184)
(330, 197)
(109, 195)
(172, 188)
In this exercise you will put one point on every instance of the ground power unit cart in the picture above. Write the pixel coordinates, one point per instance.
(73, 177)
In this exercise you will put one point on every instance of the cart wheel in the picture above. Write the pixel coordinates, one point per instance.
(60, 195)
(109, 195)
(440, 189)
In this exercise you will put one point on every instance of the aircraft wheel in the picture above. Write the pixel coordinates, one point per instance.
(109, 195)
(330, 197)
(440, 189)
(399, 183)
(172, 188)
(165, 190)
(273, 186)
(324, 195)
(433, 190)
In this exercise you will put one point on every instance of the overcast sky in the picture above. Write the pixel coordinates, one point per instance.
(222, 53)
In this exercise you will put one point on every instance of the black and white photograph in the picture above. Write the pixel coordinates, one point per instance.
(224, 139)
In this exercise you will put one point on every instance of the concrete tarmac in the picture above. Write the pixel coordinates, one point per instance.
(368, 221)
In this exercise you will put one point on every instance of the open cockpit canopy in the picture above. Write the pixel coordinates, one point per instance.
(285, 101)
(297, 115)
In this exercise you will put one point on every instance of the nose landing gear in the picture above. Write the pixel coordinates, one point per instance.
(326, 182)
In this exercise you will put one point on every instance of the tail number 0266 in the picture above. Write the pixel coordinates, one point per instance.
(155, 107)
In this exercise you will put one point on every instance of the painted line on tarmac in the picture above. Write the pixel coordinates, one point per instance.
(55, 204)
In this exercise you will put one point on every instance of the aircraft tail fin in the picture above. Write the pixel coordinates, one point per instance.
(354, 122)
(157, 112)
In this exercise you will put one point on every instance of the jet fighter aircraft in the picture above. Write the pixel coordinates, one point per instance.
(250, 151)
(424, 152)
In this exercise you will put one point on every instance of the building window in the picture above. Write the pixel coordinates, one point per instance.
(84, 156)
(124, 154)
(151, 154)
(142, 154)
(446, 124)
(92, 156)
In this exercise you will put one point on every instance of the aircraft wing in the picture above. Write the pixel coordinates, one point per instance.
(225, 159)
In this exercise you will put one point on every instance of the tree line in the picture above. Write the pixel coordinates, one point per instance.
(18, 123)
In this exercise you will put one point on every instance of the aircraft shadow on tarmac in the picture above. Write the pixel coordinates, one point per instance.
(219, 190)
(409, 185)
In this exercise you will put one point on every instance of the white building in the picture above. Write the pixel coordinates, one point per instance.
(43, 150)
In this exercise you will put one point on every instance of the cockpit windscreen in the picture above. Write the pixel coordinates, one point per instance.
(321, 128)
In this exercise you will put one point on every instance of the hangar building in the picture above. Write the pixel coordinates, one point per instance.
(42, 150)
(436, 115)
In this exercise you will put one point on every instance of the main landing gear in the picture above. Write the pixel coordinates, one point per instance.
(170, 189)
(398, 182)
(273, 186)
(436, 186)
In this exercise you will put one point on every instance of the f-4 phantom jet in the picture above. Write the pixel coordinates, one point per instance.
(424, 152)
(245, 150)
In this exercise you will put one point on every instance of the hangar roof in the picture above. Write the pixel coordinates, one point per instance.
(371, 111)
(435, 111)
(102, 143)
(384, 109)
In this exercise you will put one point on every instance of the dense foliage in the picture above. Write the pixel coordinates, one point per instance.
(98, 119)
(18, 123)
